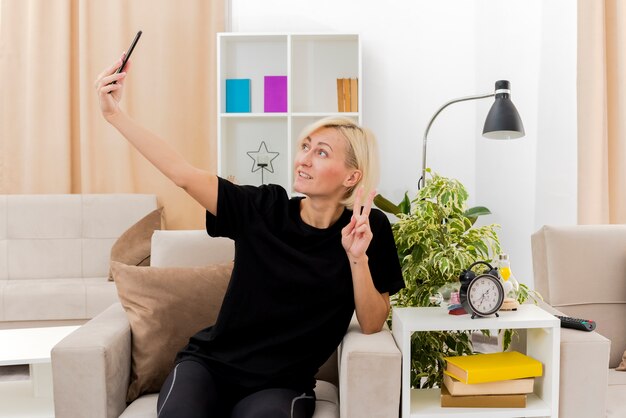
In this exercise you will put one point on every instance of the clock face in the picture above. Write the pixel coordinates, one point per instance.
(485, 295)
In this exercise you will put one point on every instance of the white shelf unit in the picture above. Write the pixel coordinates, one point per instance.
(543, 344)
(312, 64)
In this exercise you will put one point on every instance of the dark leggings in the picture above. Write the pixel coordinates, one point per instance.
(191, 391)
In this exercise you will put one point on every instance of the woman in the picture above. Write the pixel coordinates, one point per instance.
(302, 267)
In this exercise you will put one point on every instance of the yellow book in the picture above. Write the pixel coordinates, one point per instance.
(492, 367)
(502, 387)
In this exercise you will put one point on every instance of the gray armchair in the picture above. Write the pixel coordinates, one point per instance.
(91, 367)
(581, 272)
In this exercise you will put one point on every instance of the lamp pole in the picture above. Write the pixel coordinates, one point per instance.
(503, 121)
(422, 180)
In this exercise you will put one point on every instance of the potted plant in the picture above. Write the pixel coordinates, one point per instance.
(437, 238)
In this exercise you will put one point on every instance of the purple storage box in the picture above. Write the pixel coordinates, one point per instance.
(275, 95)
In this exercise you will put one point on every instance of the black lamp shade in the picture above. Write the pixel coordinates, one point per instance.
(503, 121)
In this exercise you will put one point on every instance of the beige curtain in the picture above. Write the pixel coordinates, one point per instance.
(52, 136)
(601, 111)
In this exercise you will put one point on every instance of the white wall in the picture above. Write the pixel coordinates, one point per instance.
(417, 55)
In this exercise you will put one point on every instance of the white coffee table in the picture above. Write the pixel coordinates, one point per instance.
(29, 398)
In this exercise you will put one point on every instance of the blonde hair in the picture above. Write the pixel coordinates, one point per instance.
(361, 152)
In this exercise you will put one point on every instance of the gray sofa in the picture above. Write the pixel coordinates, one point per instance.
(91, 367)
(54, 254)
(581, 271)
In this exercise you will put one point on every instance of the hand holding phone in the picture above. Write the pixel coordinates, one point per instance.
(129, 51)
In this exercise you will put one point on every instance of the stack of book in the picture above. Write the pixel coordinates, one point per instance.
(347, 94)
(493, 380)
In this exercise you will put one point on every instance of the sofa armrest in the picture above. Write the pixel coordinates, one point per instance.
(91, 367)
(369, 374)
(584, 370)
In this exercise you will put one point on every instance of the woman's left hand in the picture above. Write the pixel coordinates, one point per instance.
(357, 235)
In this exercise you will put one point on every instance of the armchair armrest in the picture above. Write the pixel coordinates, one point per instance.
(91, 367)
(584, 370)
(369, 374)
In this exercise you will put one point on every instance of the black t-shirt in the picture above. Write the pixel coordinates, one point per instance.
(290, 298)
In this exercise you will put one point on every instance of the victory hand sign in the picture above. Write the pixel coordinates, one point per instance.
(372, 307)
(357, 235)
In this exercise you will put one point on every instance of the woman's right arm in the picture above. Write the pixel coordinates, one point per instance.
(199, 184)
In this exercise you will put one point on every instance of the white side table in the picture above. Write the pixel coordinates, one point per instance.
(543, 344)
(32, 346)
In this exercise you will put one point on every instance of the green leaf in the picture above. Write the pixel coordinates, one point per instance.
(475, 212)
(386, 206)
(405, 205)
(508, 337)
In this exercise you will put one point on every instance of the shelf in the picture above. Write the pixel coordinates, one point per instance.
(250, 57)
(294, 114)
(253, 115)
(426, 403)
(312, 64)
(542, 343)
(17, 400)
(327, 37)
(438, 319)
(246, 135)
(317, 63)
(253, 37)
(324, 114)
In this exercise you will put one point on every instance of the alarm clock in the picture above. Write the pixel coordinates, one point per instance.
(483, 294)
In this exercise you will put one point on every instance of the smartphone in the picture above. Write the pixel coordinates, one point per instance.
(129, 51)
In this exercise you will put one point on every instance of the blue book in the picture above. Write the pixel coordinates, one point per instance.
(238, 95)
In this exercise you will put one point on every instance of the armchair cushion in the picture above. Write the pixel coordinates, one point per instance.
(165, 306)
(133, 246)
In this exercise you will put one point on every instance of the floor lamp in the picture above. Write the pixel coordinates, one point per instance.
(503, 121)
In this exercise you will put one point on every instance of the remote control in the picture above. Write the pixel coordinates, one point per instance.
(577, 323)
